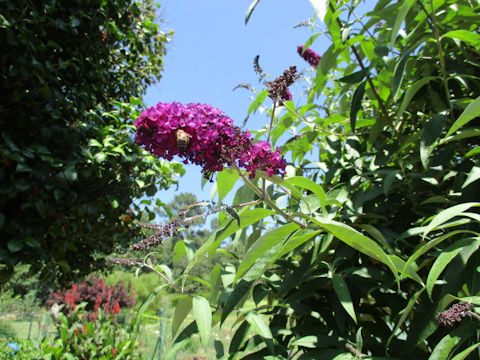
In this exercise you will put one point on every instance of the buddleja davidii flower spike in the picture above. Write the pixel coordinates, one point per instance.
(455, 314)
(278, 88)
(213, 139)
(309, 56)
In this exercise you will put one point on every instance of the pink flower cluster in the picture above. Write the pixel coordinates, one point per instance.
(309, 56)
(213, 139)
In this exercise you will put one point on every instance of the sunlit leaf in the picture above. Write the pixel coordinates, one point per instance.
(449, 342)
(357, 241)
(463, 354)
(473, 175)
(471, 112)
(308, 184)
(183, 307)
(406, 5)
(226, 179)
(262, 245)
(259, 324)
(203, 318)
(464, 35)
(448, 214)
(445, 257)
(250, 10)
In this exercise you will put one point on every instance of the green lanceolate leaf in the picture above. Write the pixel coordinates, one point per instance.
(182, 309)
(262, 245)
(297, 240)
(444, 259)
(471, 112)
(147, 302)
(203, 318)
(308, 184)
(226, 179)
(258, 323)
(399, 20)
(429, 245)
(240, 290)
(341, 289)
(445, 347)
(412, 91)
(239, 337)
(356, 104)
(357, 241)
(448, 214)
(404, 314)
(463, 354)
(258, 101)
(464, 35)
(473, 175)
(247, 218)
(399, 73)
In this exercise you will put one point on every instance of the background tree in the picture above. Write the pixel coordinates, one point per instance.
(71, 74)
(176, 251)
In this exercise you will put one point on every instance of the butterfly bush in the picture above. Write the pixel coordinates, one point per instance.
(215, 142)
(96, 294)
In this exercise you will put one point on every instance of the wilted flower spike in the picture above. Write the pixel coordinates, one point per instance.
(309, 56)
(454, 314)
(213, 140)
(278, 88)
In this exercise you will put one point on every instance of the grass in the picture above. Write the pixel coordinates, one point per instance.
(35, 327)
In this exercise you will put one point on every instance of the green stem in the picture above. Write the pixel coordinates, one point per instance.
(294, 113)
(441, 56)
(360, 63)
(266, 200)
(268, 139)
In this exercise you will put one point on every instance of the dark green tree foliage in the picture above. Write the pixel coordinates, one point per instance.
(69, 169)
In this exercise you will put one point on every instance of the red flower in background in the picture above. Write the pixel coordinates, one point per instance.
(96, 294)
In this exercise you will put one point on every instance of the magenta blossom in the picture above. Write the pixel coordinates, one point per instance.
(213, 140)
(309, 56)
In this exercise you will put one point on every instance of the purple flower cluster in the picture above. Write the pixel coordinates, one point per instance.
(454, 314)
(309, 56)
(213, 140)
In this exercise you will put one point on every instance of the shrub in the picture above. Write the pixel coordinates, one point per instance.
(95, 294)
(85, 337)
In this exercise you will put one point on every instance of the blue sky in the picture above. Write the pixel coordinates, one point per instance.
(212, 51)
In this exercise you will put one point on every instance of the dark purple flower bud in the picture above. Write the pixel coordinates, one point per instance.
(309, 56)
